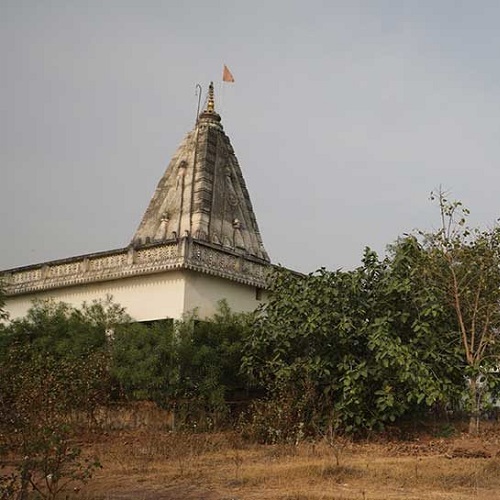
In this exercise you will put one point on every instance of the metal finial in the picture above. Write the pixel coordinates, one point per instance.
(211, 101)
(209, 115)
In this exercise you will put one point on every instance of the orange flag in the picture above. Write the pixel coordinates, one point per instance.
(227, 76)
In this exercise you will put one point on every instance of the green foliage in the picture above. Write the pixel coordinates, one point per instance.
(354, 349)
(40, 398)
(144, 360)
(49, 465)
(63, 352)
(191, 365)
(362, 348)
(209, 355)
(54, 369)
(64, 331)
(462, 267)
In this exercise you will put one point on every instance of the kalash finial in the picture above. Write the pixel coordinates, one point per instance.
(211, 100)
(210, 115)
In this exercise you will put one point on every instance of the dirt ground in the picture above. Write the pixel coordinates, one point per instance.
(165, 466)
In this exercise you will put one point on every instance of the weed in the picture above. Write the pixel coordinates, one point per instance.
(341, 473)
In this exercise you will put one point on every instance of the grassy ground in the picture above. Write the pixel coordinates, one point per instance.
(147, 466)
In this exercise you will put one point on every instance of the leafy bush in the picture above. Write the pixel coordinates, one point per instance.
(40, 397)
(54, 369)
(366, 346)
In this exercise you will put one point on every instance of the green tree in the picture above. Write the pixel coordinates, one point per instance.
(353, 349)
(462, 267)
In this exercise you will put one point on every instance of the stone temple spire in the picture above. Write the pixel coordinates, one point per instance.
(202, 194)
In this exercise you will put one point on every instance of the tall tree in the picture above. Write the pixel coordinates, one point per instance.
(462, 265)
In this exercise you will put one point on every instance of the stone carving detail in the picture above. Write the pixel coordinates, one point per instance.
(156, 254)
(27, 276)
(127, 262)
(215, 259)
(107, 262)
(228, 265)
(62, 270)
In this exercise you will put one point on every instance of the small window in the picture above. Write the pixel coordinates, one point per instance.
(258, 293)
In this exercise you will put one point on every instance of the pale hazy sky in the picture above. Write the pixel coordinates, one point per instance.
(344, 116)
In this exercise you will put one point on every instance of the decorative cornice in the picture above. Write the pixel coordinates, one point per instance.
(208, 259)
(127, 262)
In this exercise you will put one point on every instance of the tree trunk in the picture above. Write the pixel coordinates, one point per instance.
(475, 396)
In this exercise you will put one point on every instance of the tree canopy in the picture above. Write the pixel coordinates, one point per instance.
(461, 266)
(356, 349)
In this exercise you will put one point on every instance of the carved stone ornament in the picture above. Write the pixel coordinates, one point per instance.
(158, 258)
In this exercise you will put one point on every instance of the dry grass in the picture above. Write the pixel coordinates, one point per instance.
(147, 466)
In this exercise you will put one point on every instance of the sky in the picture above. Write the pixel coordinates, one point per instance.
(344, 116)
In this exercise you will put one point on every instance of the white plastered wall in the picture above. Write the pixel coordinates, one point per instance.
(203, 292)
(149, 297)
(153, 296)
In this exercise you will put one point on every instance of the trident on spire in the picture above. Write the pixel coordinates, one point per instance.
(197, 93)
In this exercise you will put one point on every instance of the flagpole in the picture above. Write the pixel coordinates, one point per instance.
(227, 76)
(221, 98)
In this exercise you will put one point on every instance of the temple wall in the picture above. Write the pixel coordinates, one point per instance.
(204, 291)
(148, 297)
(155, 282)
(153, 296)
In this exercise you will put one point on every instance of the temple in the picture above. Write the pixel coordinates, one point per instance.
(198, 242)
